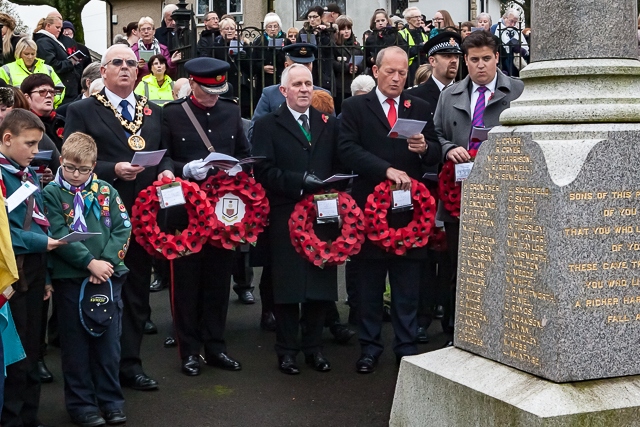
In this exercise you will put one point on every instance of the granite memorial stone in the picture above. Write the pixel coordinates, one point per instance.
(549, 267)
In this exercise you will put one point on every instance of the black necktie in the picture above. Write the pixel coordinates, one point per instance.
(305, 123)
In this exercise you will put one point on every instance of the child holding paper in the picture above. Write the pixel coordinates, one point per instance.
(88, 272)
(21, 130)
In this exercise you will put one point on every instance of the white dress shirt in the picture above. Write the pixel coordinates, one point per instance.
(297, 115)
(385, 105)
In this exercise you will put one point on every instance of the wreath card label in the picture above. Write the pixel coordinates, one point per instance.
(402, 201)
(327, 208)
(171, 195)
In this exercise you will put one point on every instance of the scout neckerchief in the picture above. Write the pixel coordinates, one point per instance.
(83, 200)
(136, 142)
(24, 175)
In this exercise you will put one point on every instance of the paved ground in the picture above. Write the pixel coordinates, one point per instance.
(259, 395)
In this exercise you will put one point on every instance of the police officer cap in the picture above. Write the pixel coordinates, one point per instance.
(209, 73)
(97, 308)
(302, 53)
(445, 42)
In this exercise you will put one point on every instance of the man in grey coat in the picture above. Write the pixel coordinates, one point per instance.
(477, 100)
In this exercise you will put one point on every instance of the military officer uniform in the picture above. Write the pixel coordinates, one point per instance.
(201, 281)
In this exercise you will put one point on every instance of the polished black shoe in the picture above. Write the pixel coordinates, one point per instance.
(246, 297)
(287, 365)
(191, 366)
(341, 333)
(43, 372)
(170, 342)
(318, 362)
(366, 364)
(157, 285)
(268, 321)
(448, 344)
(439, 312)
(150, 328)
(221, 360)
(115, 417)
(140, 382)
(422, 336)
(90, 419)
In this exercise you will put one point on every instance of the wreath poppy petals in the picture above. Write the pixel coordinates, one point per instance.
(329, 253)
(413, 235)
(256, 206)
(144, 222)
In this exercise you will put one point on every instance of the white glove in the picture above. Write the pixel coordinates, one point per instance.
(196, 169)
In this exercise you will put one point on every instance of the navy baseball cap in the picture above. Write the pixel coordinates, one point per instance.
(97, 307)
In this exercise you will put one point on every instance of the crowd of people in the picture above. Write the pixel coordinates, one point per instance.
(327, 102)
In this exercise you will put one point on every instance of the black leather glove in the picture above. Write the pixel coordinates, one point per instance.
(311, 183)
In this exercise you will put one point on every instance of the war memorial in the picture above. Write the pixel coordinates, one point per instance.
(548, 285)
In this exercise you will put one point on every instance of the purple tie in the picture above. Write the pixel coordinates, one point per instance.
(478, 113)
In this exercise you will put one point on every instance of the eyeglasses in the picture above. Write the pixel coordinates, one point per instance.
(146, 29)
(44, 92)
(215, 18)
(313, 16)
(82, 170)
(119, 61)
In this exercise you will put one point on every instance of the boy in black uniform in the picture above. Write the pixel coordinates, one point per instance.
(76, 200)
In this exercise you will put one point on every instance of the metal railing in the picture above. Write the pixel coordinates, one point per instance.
(257, 61)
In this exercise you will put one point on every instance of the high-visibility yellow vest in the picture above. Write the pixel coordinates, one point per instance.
(406, 35)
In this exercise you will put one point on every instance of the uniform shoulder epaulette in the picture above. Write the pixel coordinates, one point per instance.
(233, 100)
(177, 101)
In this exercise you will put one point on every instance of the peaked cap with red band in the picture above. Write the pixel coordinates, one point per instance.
(209, 73)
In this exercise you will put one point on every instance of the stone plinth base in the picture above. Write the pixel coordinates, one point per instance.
(452, 387)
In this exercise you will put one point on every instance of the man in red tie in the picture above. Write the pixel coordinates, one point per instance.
(477, 100)
(365, 148)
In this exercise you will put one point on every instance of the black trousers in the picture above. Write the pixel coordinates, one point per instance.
(90, 364)
(200, 300)
(404, 277)
(453, 235)
(351, 282)
(22, 385)
(435, 286)
(266, 289)
(242, 272)
(288, 327)
(135, 300)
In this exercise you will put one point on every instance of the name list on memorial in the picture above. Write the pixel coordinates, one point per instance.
(521, 257)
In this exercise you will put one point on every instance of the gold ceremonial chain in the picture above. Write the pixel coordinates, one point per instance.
(132, 127)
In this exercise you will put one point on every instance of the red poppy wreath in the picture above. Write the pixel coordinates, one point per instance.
(329, 253)
(413, 235)
(232, 191)
(449, 191)
(144, 219)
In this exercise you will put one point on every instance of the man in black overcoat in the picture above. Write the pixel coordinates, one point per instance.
(201, 281)
(118, 137)
(444, 54)
(365, 148)
(299, 144)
